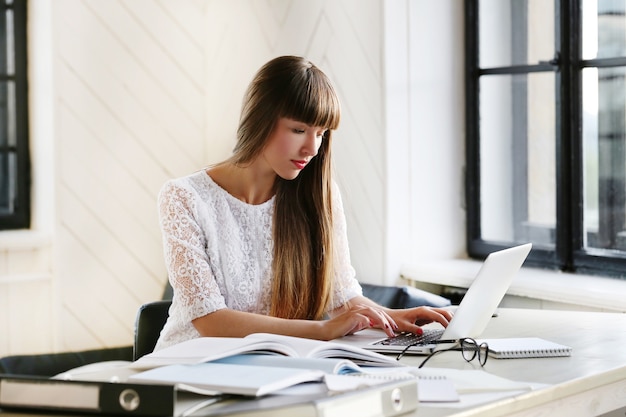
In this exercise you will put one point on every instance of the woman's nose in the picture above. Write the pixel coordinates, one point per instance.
(312, 144)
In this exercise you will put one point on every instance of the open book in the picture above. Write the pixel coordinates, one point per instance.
(206, 349)
(255, 365)
(219, 378)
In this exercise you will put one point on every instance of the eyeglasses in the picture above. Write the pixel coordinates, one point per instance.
(469, 348)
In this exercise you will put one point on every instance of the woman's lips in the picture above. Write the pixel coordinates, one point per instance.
(299, 164)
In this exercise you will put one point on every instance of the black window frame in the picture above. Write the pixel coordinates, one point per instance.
(19, 179)
(568, 253)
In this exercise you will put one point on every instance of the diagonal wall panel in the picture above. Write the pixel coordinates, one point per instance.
(146, 90)
(130, 104)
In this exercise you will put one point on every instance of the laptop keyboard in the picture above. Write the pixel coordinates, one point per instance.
(406, 339)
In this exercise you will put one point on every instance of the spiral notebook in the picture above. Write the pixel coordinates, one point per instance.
(525, 347)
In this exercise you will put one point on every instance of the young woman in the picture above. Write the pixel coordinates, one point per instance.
(258, 242)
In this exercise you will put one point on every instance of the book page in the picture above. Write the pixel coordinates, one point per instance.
(205, 349)
(228, 378)
(329, 366)
(309, 348)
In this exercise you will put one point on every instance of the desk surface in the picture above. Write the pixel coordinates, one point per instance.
(592, 381)
(594, 375)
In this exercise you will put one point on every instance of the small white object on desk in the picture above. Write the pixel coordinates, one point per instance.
(436, 389)
(525, 347)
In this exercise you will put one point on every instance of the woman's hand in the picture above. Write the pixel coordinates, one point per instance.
(361, 313)
(410, 319)
(355, 317)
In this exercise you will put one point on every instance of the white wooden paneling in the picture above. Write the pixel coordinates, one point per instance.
(5, 317)
(148, 45)
(129, 114)
(147, 90)
(29, 303)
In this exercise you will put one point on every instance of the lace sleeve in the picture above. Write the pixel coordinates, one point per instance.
(195, 289)
(346, 284)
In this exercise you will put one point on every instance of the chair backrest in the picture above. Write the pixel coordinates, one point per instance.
(151, 318)
(402, 296)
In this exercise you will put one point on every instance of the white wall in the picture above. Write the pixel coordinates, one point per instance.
(424, 64)
(437, 108)
(133, 93)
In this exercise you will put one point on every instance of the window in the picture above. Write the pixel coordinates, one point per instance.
(546, 131)
(14, 153)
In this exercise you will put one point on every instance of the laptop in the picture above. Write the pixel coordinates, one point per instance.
(475, 310)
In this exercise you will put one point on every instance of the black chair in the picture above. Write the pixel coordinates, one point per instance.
(402, 296)
(152, 316)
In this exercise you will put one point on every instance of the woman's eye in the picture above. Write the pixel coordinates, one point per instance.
(299, 131)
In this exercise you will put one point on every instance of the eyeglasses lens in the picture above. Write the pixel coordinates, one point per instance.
(469, 349)
(483, 353)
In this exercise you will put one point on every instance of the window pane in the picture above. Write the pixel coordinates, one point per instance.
(7, 183)
(7, 116)
(604, 28)
(517, 158)
(7, 130)
(515, 32)
(4, 38)
(4, 134)
(604, 150)
(7, 148)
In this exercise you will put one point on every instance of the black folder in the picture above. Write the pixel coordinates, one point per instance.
(37, 397)
(107, 398)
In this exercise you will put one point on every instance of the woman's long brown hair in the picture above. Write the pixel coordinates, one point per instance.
(303, 264)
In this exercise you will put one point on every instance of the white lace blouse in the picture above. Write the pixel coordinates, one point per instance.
(218, 252)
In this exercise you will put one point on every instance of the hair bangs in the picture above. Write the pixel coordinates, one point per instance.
(312, 100)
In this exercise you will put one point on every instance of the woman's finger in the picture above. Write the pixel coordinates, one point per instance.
(379, 318)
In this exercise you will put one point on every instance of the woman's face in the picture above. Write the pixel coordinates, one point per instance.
(291, 146)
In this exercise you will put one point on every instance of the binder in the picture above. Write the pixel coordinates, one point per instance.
(114, 399)
(385, 400)
(107, 398)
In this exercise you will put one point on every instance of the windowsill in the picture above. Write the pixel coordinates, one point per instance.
(23, 240)
(582, 290)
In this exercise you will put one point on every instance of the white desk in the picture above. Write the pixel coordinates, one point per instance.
(590, 382)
